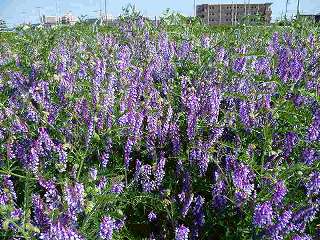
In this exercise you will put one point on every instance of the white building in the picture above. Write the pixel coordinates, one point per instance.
(50, 20)
(67, 18)
(106, 18)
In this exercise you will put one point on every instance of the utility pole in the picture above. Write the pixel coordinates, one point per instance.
(24, 16)
(39, 13)
(194, 8)
(298, 8)
(245, 9)
(105, 10)
(235, 16)
(57, 11)
(285, 14)
(232, 13)
(208, 14)
(57, 8)
(97, 12)
(220, 13)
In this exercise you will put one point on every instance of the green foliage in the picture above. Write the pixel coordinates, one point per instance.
(33, 45)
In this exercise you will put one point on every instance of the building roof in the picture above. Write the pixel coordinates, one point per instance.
(218, 4)
(310, 14)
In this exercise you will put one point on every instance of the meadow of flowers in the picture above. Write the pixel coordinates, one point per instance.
(177, 131)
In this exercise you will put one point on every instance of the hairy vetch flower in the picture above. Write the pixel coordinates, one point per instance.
(192, 103)
(280, 190)
(304, 216)
(219, 188)
(289, 142)
(313, 185)
(7, 192)
(40, 216)
(160, 171)
(314, 129)
(182, 233)
(51, 195)
(117, 188)
(215, 99)
(244, 113)
(175, 137)
(243, 181)
(263, 214)
(188, 198)
(61, 230)
(301, 237)
(282, 226)
(309, 156)
(198, 211)
(239, 64)
(75, 199)
(16, 213)
(101, 185)
(106, 228)
(152, 216)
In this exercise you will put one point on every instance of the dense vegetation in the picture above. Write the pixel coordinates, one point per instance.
(177, 131)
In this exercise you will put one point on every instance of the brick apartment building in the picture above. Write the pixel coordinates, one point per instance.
(230, 14)
(313, 17)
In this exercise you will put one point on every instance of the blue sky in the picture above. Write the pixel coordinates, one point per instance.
(18, 11)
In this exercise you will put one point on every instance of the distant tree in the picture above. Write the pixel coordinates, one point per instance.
(83, 18)
(3, 25)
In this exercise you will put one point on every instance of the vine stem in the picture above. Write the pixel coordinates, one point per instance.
(16, 175)
(81, 166)
(126, 176)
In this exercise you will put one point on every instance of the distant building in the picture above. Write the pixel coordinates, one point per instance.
(69, 19)
(103, 19)
(230, 14)
(92, 20)
(314, 17)
(50, 20)
(106, 17)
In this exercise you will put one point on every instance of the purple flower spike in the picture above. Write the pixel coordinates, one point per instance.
(117, 188)
(313, 186)
(280, 191)
(263, 214)
(182, 233)
(303, 237)
(152, 216)
(106, 228)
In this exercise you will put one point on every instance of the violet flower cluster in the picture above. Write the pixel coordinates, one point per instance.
(173, 131)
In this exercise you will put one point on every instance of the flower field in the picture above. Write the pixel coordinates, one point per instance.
(177, 131)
